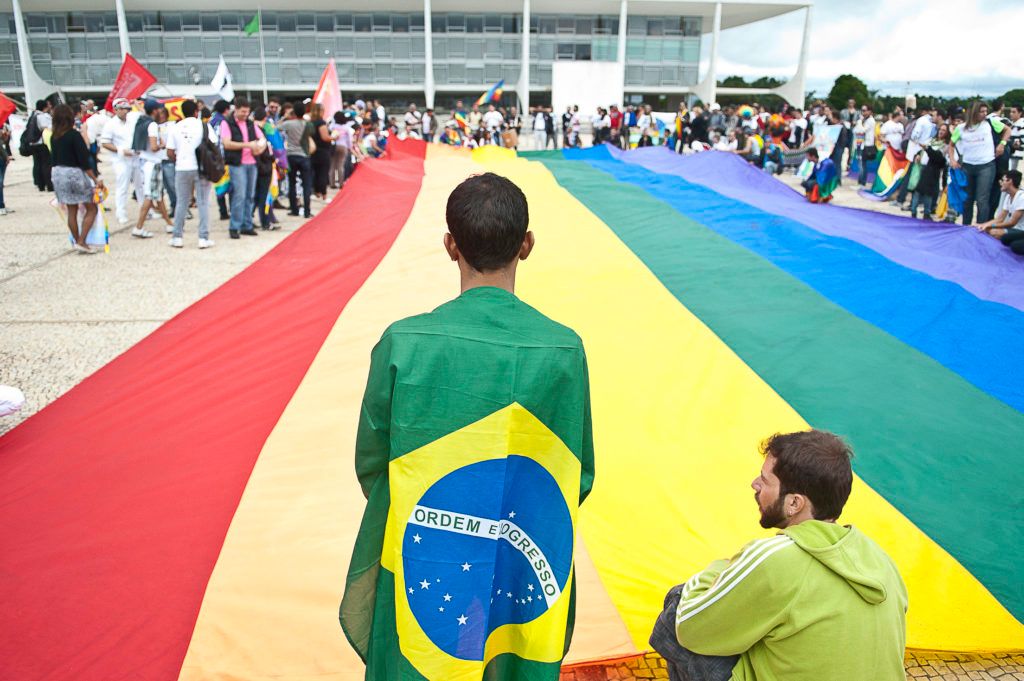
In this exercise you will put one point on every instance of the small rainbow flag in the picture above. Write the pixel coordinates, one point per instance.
(223, 185)
(275, 189)
(492, 95)
(460, 118)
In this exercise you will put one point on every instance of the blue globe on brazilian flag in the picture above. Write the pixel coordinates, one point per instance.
(479, 540)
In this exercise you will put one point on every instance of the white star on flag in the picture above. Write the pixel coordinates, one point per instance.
(462, 620)
(424, 584)
(441, 609)
(512, 515)
(465, 567)
(509, 594)
(530, 587)
(529, 598)
(416, 538)
(447, 597)
(410, 589)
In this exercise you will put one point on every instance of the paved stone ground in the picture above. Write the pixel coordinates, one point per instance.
(64, 315)
(920, 665)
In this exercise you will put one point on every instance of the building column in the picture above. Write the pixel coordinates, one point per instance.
(122, 29)
(711, 80)
(428, 55)
(523, 88)
(621, 53)
(800, 78)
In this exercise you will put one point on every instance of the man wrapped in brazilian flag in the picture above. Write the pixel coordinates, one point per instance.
(474, 451)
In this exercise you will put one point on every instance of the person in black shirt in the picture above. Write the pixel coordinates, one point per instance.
(72, 175)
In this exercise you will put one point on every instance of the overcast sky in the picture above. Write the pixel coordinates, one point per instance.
(942, 47)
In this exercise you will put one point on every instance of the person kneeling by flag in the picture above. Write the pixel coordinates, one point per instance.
(474, 451)
(817, 601)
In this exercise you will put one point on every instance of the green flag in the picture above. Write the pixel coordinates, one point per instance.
(474, 451)
(253, 26)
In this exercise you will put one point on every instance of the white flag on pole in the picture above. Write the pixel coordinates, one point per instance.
(221, 82)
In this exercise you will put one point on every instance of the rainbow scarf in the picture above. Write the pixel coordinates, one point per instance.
(717, 307)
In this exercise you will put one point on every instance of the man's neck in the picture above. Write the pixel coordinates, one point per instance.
(504, 279)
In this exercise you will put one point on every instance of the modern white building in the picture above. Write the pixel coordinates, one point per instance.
(415, 50)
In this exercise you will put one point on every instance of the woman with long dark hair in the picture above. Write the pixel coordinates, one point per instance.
(977, 150)
(324, 149)
(74, 180)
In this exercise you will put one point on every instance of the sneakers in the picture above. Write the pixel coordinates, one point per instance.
(233, 233)
(169, 229)
(5, 211)
(249, 232)
(177, 242)
(206, 243)
(142, 234)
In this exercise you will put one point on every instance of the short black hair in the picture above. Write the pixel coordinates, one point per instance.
(816, 464)
(260, 113)
(339, 117)
(189, 108)
(300, 109)
(1014, 176)
(222, 106)
(41, 104)
(241, 102)
(488, 217)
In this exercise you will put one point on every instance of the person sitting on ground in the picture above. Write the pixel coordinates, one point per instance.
(816, 601)
(1008, 225)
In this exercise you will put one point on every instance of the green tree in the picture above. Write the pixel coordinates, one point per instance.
(848, 87)
(1014, 97)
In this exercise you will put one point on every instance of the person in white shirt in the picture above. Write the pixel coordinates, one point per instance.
(413, 123)
(94, 129)
(182, 143)
(151, 160)
(429, 125)
(923, 132)
(1008, 225)
(797, 130)
(540, 135)
(974, 142)
(493, 122)
(117, 138)
(892, 132)
(869, 149)
(1016, 137)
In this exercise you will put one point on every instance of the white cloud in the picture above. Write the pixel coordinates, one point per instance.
(938, 46)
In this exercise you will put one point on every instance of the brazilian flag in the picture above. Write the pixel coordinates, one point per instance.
(474, 451)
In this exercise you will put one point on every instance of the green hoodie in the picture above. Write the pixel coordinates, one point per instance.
(816, 602)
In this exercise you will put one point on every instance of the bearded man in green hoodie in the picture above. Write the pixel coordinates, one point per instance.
(816, 601)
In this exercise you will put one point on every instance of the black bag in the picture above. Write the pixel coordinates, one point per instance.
(869, 152)
(209, 158)
(265, 163)
(29, 136)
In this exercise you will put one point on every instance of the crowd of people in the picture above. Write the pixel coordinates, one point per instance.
(244, 155)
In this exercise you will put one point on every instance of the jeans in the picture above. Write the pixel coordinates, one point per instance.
(260, 198)
(862, 177)
(184, 182)
(243, 189)
(927, 203)
(683, 664)
(299, 165)
(3, 170)
(979, 186)
(167, 168)
(1014, 238)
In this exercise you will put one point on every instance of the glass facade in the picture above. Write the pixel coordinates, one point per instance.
(81, 49)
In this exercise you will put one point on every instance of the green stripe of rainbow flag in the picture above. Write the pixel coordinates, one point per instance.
(192, 505)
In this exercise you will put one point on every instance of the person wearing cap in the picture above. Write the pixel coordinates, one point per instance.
(117, 138)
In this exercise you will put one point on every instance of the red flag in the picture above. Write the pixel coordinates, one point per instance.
(132, 80)
(328, 92)
(6, 108)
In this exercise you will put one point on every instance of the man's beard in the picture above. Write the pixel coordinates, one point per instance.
(774, 515)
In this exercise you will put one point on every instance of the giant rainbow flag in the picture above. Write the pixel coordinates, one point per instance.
(188, 511)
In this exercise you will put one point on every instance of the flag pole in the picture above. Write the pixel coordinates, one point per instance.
(263, 61)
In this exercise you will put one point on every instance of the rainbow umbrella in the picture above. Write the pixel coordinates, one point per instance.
(206, 533)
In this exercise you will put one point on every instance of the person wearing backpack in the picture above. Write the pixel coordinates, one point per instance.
(40, 153)
(974, 142)
(188, 141)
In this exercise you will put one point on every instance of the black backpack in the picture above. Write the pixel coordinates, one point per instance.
(209, 158)
(30, 135)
